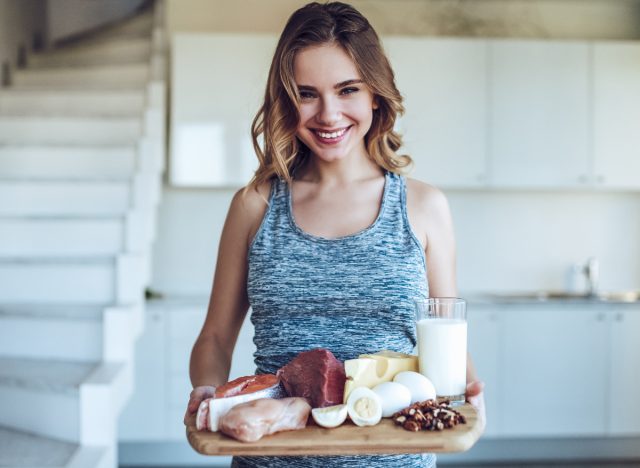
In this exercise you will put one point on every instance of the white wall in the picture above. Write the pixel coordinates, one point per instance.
(69, 17)
(507, 240)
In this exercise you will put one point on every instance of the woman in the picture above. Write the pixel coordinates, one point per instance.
(329, 244)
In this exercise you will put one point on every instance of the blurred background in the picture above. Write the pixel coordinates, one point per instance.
(124, 133)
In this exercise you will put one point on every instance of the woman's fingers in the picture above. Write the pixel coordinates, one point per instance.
(474, 388)
(475, 396)
(196, 397)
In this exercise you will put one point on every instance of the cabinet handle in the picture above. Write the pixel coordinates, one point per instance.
(601, 179)
(619, 317)
(582, 179)
(600, 317)
(480, 177)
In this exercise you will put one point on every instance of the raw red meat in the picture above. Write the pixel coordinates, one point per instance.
(315, 375)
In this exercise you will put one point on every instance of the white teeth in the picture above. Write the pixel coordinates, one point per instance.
(332, 134)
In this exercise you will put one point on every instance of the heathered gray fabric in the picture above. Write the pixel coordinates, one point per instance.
(351, 295)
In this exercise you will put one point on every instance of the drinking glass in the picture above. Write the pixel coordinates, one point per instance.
(441, 325)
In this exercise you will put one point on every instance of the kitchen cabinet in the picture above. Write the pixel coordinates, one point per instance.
(616, 115)
(156, 409)
(539, 113)
(623, 407)
(484, 332)
(552, 360)
(443, 83)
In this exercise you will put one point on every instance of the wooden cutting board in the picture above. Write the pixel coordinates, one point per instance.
(347, 439)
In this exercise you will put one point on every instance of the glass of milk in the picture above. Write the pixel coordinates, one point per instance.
(441, 324)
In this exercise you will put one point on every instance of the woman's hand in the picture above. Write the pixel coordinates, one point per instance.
(197, 396)
(475, 396)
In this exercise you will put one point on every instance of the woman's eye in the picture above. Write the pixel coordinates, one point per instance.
(349, 90)
(305, 95)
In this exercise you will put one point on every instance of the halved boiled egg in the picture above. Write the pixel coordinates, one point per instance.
(364, 407)
(330, 416)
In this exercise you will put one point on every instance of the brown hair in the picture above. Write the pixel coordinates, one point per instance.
(277, 119)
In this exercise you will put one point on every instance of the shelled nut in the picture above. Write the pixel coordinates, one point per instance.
(428, 415)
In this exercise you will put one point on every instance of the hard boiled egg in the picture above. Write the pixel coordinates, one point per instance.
(330, 416)
(421, 388)
(364, 407)
(394, 397)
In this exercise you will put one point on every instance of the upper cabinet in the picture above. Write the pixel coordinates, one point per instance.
(500, 113)
(539, 113)
(443, 83)
(616, 114)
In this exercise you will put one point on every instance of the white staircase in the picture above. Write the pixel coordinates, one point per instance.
(81, 162)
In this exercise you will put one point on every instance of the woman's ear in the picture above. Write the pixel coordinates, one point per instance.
(375, 104)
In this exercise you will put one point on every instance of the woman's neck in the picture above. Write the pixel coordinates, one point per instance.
(340, 172)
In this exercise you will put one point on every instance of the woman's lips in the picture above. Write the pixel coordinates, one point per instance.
(331, 138)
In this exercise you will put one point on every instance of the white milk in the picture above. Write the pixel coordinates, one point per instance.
(442, 354)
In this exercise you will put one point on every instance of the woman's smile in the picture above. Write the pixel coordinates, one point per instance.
(331, 137)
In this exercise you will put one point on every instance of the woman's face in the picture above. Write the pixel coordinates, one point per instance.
(336, 107)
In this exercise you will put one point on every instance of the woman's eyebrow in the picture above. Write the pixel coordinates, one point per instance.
(337, 86)
(347, 83)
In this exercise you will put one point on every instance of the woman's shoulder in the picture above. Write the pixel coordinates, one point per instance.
(425, 198)
(248, 207)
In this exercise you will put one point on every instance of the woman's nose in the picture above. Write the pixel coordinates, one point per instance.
(329, 112)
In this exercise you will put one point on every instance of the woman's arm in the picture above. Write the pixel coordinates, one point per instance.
(228, 304)
(431, 220)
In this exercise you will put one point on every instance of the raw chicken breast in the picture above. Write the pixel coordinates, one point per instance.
(250, 421)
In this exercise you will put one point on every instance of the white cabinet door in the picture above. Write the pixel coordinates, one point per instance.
(484, 347)
(624, 410)
(443, 82)
(616, 111)
(553, 360)
(539, 101)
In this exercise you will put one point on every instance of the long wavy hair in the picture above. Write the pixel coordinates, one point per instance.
(277, 119)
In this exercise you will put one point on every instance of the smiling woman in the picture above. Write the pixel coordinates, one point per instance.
(329, 243)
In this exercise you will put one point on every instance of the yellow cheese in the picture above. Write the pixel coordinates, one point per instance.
(370, 370)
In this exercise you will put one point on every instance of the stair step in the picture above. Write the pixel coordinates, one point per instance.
(94, 281)
(70, 332)
(121, 51)
(64, 198)
(72, 102)
(69, 162)
(90, 281)
(46, 376)
(71, 77)
(70, 130)
(71, 401)
(22, 449)
(60, 237)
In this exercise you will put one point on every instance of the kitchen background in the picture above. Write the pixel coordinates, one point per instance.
(541, 157)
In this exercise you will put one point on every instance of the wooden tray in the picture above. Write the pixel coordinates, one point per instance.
(347, 439)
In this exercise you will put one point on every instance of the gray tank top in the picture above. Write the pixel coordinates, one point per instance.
(351, 295)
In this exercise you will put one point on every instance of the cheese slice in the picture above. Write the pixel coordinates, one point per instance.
(370, 370)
